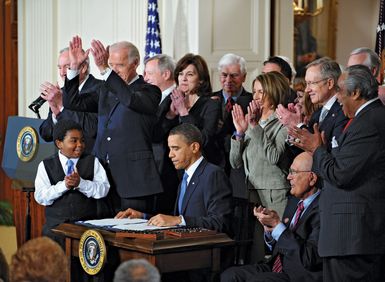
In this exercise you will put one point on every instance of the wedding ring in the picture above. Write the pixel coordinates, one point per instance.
(279, 117)
(297, 140)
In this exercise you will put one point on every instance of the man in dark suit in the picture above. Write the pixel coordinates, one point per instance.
(53, 95)
(352, 202)
(293, 239)
(159, 71)
(126, 107)
(321, 85)
(232, 75)
(204, 196)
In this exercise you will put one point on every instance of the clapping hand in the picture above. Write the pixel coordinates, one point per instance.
(239, 120)
(76, 54)
(254, 113)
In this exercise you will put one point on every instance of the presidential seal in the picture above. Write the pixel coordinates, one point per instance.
(26, 145)
(92, 251)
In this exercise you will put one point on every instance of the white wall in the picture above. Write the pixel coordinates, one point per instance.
(356, 26)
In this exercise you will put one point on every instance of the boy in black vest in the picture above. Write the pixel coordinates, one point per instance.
(68, 182)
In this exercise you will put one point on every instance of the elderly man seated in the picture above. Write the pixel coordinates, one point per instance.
(292, 239)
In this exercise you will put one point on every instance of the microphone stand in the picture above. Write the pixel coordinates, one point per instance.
(35, 106)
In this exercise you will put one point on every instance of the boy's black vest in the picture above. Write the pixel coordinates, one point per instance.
(72, 205)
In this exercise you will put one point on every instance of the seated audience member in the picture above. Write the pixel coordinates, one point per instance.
(136, 270)
(191, 103)
(39, 260)
(204, 196)
(294, 238)
(68, 182)
(4, 269)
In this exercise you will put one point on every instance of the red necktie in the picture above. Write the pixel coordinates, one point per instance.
(277, 266)
(298, 213)
(229, 104)
(347, 124)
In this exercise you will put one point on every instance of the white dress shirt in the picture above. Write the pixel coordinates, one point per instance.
(46, 194)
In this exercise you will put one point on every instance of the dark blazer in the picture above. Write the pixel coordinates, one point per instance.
(352, 201)
(207, 202)
(205, 115)
(333, 124)
(168, 174)
(126, 115)
(88, 121)
(298, 248)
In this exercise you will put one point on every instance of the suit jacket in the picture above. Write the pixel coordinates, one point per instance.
(333, 124)
(298, 248)
(87, 120)
(207, 201)
(205, 115)
(167, 171)
(126, 115)
(353, 200)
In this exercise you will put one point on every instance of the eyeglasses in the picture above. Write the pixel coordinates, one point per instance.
(294, 172)
(313, 83)
(231, 75)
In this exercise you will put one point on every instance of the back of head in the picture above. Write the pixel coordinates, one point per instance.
(359, 78)
(285, 66)
(190, 133)
(39, 260)
(136, 270)
(372, 60)
(200, 64)
(232, 59)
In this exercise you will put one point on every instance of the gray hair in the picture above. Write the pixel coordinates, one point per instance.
(136, 270)
(360, 78)
(328, 68)
(372, 60)
(232, 59)
(165, 62)
(133, 52)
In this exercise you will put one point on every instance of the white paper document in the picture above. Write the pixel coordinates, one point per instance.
(114, 221)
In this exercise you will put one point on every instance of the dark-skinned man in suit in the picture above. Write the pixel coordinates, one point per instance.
(206, 199)
(352, 202)
(294, 238)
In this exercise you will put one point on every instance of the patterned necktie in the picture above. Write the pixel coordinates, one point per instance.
(324, 113)
(70, 167)
(229, 104)
(298, 213)
(183, 187)
(277, 266)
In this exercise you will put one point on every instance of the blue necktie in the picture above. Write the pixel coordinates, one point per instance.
(183, 187)
(70, 167)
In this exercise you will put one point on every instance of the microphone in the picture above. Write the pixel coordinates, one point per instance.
(36, 104)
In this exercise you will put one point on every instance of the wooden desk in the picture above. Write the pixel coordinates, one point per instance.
(168, 254)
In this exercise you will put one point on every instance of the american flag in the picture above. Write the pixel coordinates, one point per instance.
(153, 42)
(380, 39)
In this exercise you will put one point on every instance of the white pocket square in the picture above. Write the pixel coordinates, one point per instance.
(334, 142)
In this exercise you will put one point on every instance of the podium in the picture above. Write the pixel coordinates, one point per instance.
(23, 151)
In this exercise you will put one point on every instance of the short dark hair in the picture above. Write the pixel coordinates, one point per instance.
(190, 132)
(204, 87)
(359, 77)
(63, 126)
(285, 67)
